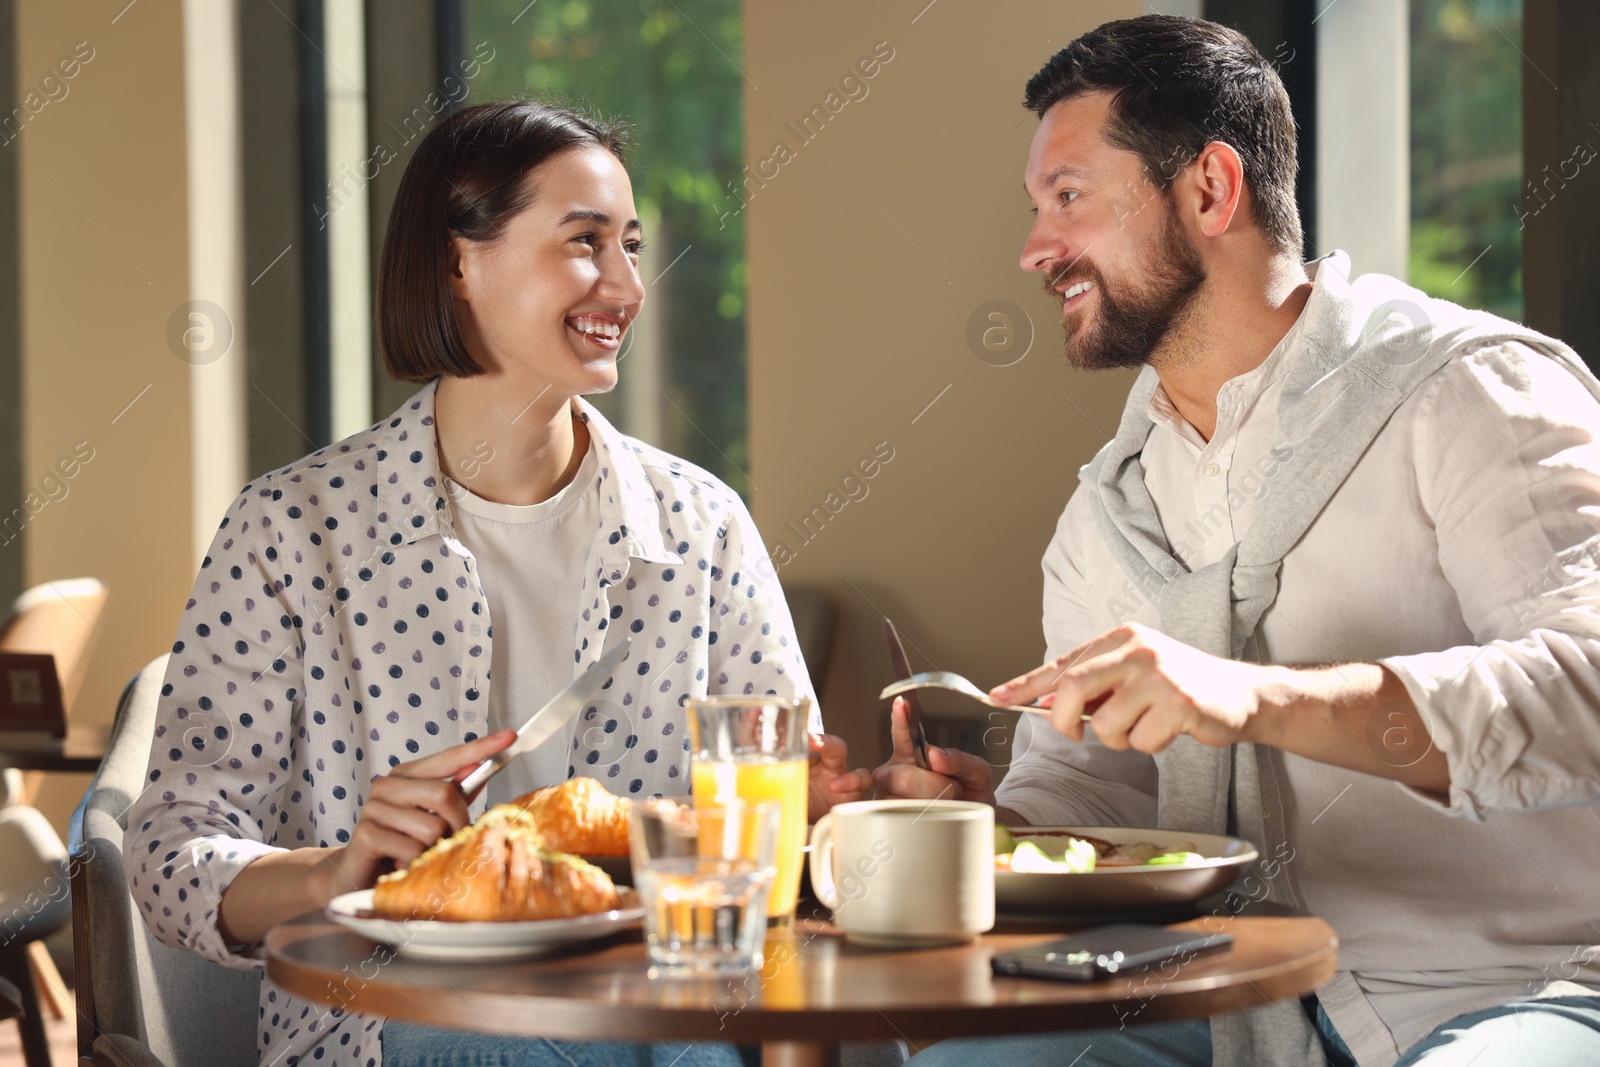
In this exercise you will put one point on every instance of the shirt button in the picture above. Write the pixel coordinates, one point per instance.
(1212, 470)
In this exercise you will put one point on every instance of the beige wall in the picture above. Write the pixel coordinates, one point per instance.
(869, 251)
(103, 264)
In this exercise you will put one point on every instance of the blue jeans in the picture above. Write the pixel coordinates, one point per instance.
(409, 1045)
(1174, 1044)
(1559, 1032)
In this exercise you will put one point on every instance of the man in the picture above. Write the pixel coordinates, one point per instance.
(1309, 470)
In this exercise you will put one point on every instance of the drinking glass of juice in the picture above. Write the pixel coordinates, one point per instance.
(754, 748)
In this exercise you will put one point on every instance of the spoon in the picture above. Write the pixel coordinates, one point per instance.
(956, 684)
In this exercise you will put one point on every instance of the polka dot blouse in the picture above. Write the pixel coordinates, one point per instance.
(337, 628)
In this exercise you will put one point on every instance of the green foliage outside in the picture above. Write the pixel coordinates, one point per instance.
(1466, 152)
(670, 68)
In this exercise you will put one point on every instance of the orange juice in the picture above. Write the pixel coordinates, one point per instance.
(785, 781)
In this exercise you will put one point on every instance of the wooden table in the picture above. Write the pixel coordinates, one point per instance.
(81, 750)
(814, 991)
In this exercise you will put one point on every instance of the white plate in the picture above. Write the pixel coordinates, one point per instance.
(1115, 889)
(435, 940)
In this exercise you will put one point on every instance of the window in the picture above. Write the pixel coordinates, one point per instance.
(1466, 152)
(671, 68)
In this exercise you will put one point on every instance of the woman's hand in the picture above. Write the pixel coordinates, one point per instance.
(832, 780)
(408, 810)
(952, 774)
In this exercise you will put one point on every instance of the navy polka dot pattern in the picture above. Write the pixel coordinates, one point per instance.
(337, 628)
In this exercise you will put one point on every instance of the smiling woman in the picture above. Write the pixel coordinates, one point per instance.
(542, 242)
(458, 198)
(371, 621)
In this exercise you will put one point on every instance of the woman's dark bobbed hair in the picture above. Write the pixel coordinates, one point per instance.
(466, 179)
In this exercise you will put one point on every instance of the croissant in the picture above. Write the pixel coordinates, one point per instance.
(499, 869)
(580, 816)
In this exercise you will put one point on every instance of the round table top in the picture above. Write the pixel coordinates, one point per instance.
(814, 987)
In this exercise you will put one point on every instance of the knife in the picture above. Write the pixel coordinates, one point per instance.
(543, 724)
(902, 671)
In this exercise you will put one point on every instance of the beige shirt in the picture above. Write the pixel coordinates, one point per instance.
(1461, 553)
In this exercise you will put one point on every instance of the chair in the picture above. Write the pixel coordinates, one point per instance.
(141, 1002)
(10, 1000)
(34, 905)
(58, 618)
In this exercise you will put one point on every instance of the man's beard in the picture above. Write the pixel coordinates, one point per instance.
(1128, 329)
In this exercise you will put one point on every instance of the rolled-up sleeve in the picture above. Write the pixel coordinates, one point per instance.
(1507, 448)
(1052, 780)
(225, 724)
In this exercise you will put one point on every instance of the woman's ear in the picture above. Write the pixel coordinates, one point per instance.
(461, 261)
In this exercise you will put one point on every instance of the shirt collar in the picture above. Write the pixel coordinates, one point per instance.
(1252, 383)
(629, 502)
(409, 483)
(402, 459)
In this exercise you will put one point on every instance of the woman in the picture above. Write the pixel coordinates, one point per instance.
(376, 619)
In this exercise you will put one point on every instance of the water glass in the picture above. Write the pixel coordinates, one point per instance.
(703, 872)
(754, 749)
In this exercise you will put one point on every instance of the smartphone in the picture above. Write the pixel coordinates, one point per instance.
(1107, 951)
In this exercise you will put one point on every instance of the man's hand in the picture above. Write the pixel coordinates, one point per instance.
(954, 775)
(832, 780)
(1144, 688)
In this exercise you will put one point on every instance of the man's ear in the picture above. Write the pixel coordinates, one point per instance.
(460, 261)
(1212, 188)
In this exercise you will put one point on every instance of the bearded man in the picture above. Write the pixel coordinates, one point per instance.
(1332, 587)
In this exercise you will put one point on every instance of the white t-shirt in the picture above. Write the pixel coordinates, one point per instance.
(531, 560)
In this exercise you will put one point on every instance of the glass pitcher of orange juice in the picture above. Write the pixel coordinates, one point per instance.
(755, 748)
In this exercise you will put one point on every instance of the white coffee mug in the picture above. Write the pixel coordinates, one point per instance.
(906, 873)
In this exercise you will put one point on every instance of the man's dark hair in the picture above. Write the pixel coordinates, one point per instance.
(1176, 85)
(468, 178)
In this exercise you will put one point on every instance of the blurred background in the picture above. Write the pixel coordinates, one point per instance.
(194, 192)
(193, 195)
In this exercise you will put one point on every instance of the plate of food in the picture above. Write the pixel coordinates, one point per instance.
(490, 940)
(511, 884)
(1051, 870)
